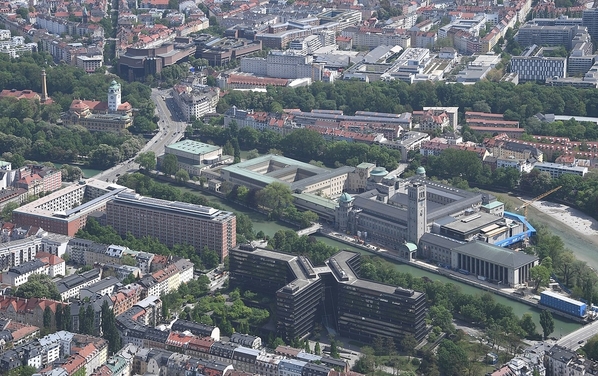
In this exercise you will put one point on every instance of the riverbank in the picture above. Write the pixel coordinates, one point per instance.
(574, 218)
(582, 240)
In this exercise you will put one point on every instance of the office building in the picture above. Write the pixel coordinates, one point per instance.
(66, 210)
(173, 222)
(137, 63)
(590, 20)
(530, 34)
(556, 170)
(538, 68)
(357, 309)
(193, 156)
(284, 64)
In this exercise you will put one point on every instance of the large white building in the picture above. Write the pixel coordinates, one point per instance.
(284, 64)
(556, 170)
(538, 68)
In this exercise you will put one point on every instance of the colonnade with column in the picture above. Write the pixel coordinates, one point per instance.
(492, 271)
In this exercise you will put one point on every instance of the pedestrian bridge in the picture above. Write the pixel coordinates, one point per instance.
(310, 230)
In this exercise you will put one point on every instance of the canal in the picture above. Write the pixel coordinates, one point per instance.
(261, 223)
(562, 326)
(87, 172)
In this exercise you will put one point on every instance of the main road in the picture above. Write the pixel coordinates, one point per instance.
(578, 338)
(171, 128)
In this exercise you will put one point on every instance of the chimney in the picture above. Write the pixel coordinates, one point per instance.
(44, 87)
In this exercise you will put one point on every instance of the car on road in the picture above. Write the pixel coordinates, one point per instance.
(117, 175)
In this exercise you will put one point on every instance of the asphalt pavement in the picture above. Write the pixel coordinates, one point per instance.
(578, 338)
(171, 128)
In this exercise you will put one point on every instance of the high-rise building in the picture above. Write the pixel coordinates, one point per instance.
(173, 222)
(333, 294)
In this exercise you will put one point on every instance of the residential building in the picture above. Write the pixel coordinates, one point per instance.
(105, 286)
(18, 275)
(173, 222)
(65, 211)
(56, 265)
(69, 287)
(195, 102)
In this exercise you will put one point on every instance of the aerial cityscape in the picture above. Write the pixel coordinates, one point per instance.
(298, 188)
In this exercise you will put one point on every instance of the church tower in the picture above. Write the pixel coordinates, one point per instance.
(44, 96)
(417, 218)
(114, 96)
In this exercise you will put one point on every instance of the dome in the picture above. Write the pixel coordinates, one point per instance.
(113, 83)
(345, 197)
(379, 171)
(420, 171)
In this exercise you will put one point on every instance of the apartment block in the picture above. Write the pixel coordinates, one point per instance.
(360, 309)
(65, 211)
(173, 222)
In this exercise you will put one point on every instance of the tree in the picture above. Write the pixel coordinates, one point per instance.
(170, 164)
(104, 156)
(58, 317)
(38, 286)
(253, 153)
(209, 258)
(109, 331)
(67, 321)
(147, 160)
(181, 176)
(22, 371)
(275, 197)
(47, 319)
(546, 322)
(442, 318)
(7, 211)
(128, 260)
(317, 349)
(540, 275)
(452, 359)
(528, 324)
(334, 349)
(408, 344)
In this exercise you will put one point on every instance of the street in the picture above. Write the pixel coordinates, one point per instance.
(578, 338)
(171, 129)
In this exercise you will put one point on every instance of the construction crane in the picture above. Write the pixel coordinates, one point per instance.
(528, 203)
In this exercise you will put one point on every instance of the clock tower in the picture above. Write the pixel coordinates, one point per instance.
(417, 216)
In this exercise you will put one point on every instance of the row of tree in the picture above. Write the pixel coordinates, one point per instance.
(303, 144)
(517, 102)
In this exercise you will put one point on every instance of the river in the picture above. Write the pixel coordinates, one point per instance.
(585, 247)
(261, 223)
